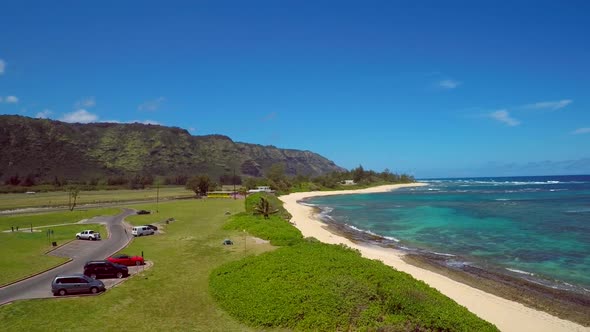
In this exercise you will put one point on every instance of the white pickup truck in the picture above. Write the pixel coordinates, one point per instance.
(88, 235)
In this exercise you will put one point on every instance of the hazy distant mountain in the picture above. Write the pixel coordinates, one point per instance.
(47, 148)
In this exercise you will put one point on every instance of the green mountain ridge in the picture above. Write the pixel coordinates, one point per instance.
(46, 149)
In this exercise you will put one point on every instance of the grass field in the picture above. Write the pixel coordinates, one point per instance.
(52, 218)
(171, 296)
(23, 253)
(60, 198)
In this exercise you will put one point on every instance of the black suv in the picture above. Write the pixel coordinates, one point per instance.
(105, 269)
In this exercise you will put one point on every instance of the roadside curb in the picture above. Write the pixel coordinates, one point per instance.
(148, 265)
(33, 275)
(57, 247)
(128, 242)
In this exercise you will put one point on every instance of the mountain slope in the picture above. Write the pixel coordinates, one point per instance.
(46, 148)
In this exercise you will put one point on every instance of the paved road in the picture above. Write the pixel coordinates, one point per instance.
(81, 251)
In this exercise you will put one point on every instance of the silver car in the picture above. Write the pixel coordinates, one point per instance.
(75, 284)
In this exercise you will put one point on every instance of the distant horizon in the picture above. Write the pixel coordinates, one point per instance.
(435, 89)
(501, 177)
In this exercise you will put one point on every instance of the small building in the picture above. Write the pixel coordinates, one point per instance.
(348, 182)
(261, 189)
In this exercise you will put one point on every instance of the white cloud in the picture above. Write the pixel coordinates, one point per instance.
(581, 131)
(151, 105)
(2, 66)
(504, 117)
(449, 84)
(44, 114)
(551, 105)
(11, 99)
(80, 116)
(87, 102)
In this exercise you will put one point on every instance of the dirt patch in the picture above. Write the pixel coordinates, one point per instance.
(260, 241)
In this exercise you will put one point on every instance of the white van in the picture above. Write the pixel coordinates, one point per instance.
(142, 230)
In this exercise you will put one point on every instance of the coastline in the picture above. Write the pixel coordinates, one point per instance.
(507, 315)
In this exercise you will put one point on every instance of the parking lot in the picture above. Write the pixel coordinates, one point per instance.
(109, 283)
(80, 252)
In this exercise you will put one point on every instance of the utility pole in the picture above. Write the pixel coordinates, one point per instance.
(157, 195)
(234, 182)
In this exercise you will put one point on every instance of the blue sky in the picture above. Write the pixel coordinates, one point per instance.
(459, 89)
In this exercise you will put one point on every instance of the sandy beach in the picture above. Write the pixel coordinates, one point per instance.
(505, 314)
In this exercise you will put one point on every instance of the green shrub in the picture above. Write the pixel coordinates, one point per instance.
(275, 229)
(316, 286)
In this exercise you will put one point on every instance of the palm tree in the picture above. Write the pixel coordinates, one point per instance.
(263, 207)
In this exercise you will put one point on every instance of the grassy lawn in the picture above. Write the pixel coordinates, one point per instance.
(53, 218)
(171, 296)
(60, 198)
(24, 252)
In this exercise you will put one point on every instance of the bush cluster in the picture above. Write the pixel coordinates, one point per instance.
(275, 229)
(316, 286)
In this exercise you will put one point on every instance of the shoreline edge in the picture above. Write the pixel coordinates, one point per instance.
(507, 315)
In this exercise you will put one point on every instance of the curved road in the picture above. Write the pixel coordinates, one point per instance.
(40, 286)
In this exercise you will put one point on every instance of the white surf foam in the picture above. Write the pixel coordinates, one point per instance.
(520, 271)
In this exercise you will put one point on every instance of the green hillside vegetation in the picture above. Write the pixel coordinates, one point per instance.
(43, 151)
(307, 285)
(45, 155)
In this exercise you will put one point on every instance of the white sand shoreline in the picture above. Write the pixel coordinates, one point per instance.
(505, 314)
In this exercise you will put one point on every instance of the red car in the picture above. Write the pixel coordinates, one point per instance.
(126, 259)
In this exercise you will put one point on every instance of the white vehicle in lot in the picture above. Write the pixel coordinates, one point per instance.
(88, 235)
(142, 230)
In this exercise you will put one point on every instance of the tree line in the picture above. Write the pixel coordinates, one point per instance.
(275, 177)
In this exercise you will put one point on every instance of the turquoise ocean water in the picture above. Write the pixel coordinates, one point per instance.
(537, 227)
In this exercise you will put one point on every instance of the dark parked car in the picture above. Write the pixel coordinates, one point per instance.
(75, 284)
(105, 269)
(155, 228)
(143, 212)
